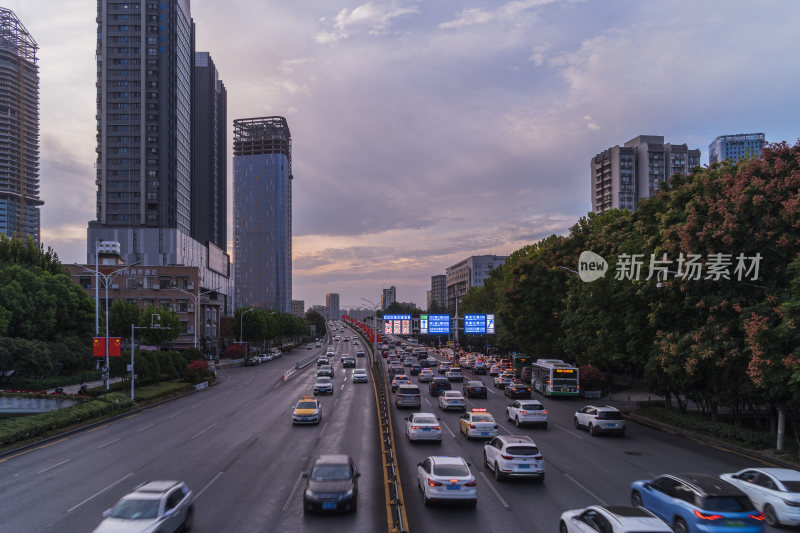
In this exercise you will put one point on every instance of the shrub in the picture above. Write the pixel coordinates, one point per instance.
(197, 372)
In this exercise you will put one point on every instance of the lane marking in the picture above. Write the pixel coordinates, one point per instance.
(445, 426)
(494, 490)
(324, 427)
(590, 493)
(145, 427)
(101, 491)
(504, 428)
(65, 461)
(342, 387)
(245, 404)
(567, 431)
(291, 494)
(213, 479)
(176, 414)
(209, 427)
(109, 443)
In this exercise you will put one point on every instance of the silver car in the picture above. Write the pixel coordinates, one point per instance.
(359, 375)
(324, 384)
(153, 506)
(423, 426)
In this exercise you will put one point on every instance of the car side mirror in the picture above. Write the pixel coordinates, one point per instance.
(106, 513)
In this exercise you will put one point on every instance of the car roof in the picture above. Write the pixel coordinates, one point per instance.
(708, 485)
(423, 414)
(603, 407)
(332, 459)
(447, 460)
(517, 439)
(359, 371)
(781, 474)
(452, 393)
(157, 487)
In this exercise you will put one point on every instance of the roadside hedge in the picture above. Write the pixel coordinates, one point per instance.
(698, 423)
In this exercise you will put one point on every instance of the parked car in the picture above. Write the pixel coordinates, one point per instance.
(698, 503)
(252, 360)
(774, 491)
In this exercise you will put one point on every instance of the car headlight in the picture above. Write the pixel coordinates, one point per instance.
(348, 494)
(311, 494)
(790, 503)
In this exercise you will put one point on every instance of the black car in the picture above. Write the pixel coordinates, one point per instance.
(474, 389)
(395, 368)
(518, 390)
(438, 385)
(332, 484)
(322, 361)
(415, 370)
(348, 362)
(325, 370)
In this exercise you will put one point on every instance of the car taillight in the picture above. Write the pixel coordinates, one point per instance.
(544, 412)
(472, 483)
(433, 483)
(436, 427)
(758, 516)
(538, 457)
(704, 516)
(414, 427)
(472, 426)
(507, 457)
(523, 412)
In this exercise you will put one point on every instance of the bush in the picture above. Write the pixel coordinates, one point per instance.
(197, 372)
(698, 423)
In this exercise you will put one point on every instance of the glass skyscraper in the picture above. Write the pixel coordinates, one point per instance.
(735, 147)
(19, 130)
(262, 213)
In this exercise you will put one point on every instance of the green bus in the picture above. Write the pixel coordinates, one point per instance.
(554, 377)
(520, 361)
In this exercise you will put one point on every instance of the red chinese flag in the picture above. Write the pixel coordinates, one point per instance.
(99, 347)
(115, 347)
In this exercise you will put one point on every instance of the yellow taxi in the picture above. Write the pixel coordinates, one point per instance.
(478, 423)
(307, 411)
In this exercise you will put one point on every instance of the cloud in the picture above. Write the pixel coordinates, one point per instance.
(505, 13)
(540, 53)
(370, 17)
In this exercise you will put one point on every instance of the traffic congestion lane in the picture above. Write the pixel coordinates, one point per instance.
(580, 470)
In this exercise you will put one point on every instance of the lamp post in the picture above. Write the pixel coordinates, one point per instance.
(197, 307)
(106, 280)
(374, 330)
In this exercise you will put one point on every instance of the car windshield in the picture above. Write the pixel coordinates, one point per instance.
(324, 380)
(475, 384)
(306, 405)
(482, 418)
(132, 509)
(522, 450)
(791, 486)
(330, 473)
(359, 372)
(727, 503)
(450, 470)
(424, 420)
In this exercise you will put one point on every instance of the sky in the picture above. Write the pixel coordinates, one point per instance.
(427, 131)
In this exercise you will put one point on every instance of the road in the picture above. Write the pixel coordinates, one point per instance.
(234, 445)
(580, 470)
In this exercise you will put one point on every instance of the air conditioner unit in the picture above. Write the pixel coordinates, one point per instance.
(190, 285)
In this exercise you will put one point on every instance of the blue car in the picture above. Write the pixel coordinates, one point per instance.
(698, 503)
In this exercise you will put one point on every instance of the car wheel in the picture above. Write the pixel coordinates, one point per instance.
(516, 422)
(425, 499)
(497, 475)
(592, 430)
(680, 526)
(772, 518)
(187, 522)
(636, 499)
(577, 426)
(562, 527)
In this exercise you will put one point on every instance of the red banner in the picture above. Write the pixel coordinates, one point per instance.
(114, 347)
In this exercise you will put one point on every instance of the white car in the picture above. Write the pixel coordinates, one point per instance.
(478, 423)
(330, 351)
(774, 491)
(153, 506)
(527, 412)
(323, 384)
(600, 419)
(263, 358)
(359, 375)
(617, 519)
(452, 399)
(446, 478)
(513, 456)
(423, 426)
(425, 375)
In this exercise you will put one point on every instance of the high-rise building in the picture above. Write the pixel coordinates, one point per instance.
(388, 297)
(19, 130)
(209, 154)
(623, 175)
(438, 290)
(145, 65)
(470, 272)
(262, 212)
(735, 147)
(332, 306)
(298, 307)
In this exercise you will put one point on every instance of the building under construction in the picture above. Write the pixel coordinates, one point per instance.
(19, 129)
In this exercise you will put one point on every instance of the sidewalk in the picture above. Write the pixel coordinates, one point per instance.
(73, 389)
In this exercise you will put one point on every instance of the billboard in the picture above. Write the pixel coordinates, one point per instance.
(397, 324)
(434, 324)
(479, 324)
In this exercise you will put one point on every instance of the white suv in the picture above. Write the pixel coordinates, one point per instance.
(600, 419)
(513, 456)
(527, 412)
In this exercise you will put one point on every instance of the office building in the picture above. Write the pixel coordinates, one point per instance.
(262, 212)
(145, 64)
(332, 306)
(438, 292)
(388, 297)
(735, 147)
(321, 309)
(470, 272)
(298, 308)
(621, 176)
(19, 130)
(209, 154)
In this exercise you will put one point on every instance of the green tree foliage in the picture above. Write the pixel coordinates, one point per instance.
(268, 326)
(170, 326)
(29, 253)
(120, 317)
(316, 319)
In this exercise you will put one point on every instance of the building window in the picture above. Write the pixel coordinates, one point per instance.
(86, 282)
(130, 282)
(165, 283)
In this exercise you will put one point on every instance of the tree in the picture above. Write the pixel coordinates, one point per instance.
(170, 326)
(121, 316)
(316, 319)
